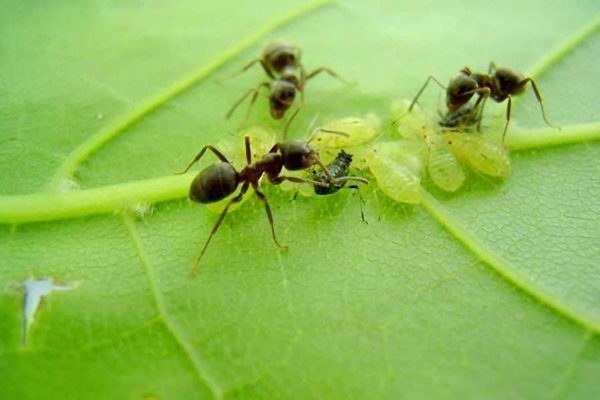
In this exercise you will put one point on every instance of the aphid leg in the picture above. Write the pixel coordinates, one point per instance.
(236, 199)
(330, 72)
(262, 196)
(201, 153)
(508, 111)
(412, 104)
(492, 67)
(538, 96)
(256, 90)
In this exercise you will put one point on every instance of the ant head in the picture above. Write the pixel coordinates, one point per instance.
(459, 91)
(282, 96)
(280, 54)
(508, 81)
(297, 155)
(214, 183)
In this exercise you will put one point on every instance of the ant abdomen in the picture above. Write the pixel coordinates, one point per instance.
(214, 183)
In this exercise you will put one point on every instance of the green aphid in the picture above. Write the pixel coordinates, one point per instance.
(397, 169)
(483, 156)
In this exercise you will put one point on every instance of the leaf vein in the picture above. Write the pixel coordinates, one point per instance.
(99, 139)
(197, 362)
(504, 267)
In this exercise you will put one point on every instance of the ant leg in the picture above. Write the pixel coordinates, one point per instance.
(508, 111)
(330, 72)
(332, 180)
(281, 178)
(315, 132)
(479, 115)
(201, 153)
(250, 64)
(538, 97)
(262, 196)
(248, 151)
(361, 202)
(414, 101)
(236, 199)
(237, 103)
(289, 121)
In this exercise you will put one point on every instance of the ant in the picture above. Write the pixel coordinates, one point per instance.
(281, 62)
(219, 180)
(499, 83)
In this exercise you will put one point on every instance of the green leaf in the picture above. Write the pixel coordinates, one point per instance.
(490, 292)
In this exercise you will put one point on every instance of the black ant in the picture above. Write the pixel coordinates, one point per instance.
(219, 180)
(499, 84)
(282, 63)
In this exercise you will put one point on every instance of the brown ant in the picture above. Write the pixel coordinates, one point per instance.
(282, 63)
(499, 84)
(219, 180)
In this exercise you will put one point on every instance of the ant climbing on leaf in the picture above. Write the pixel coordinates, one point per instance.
(221, 179)
(500, 84)
(282, 63)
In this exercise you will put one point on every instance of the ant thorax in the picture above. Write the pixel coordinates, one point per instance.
(270, 164)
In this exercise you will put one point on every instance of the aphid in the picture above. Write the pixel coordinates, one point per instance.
(397, 170)
(481, 155)
(340, 166)
(357, 131)
(282, 63)
(221, 179)
(499, 84)
(444, 169)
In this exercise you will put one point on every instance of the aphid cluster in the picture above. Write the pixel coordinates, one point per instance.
(441, 147)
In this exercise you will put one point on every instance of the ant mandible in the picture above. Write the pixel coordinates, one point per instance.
(499, 84)
(282, 63)
(219, 180)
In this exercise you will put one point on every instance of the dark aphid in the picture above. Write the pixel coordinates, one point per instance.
(340, 166)
(282, 63)
(221, 179)
(499, 83)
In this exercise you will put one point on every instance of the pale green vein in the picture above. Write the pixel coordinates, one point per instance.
(97, 140)
(564, 381)
(559, 53)
(504, 267)
(197, 363)
(543, 137)
(107, 199)
(50, 206)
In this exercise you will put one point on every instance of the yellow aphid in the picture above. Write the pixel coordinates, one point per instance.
(262, 141)
(357, 131)
(397, 170)
(483, 156)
